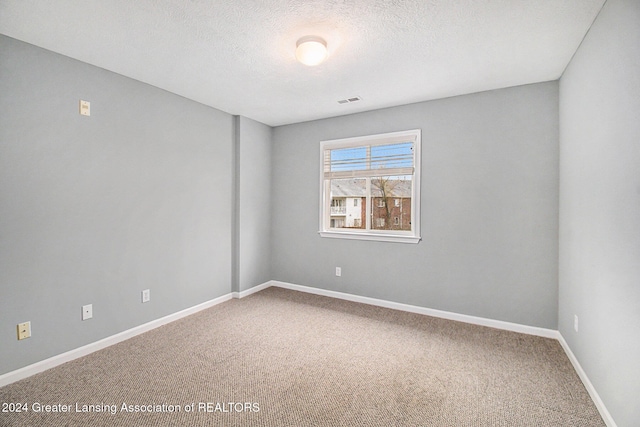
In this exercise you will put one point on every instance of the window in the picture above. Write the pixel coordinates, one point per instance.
(383, 171)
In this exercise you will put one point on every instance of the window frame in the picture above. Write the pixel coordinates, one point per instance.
(399, 236)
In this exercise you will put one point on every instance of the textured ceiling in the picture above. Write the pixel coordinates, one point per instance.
(239, 55)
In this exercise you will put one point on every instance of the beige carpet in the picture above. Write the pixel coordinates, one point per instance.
(284, 358)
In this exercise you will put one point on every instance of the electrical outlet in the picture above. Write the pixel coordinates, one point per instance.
(575, 322)
(24, 330)
(338, 271)
(146, 295)
(87, 311)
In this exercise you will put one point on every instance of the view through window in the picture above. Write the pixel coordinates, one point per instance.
(370, 187)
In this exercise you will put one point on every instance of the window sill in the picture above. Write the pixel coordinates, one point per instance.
(379, 237)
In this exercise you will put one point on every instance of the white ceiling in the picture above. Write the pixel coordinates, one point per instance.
(239, 55)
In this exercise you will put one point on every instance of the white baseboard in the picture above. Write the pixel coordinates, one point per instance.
(250, 291)
(68, 356)
(35, 368)
(498, 324)
(604, 413)
(514, 327)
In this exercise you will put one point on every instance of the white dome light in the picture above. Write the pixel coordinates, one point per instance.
(311, 50)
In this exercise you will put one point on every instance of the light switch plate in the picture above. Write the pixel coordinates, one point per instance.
(85, 108)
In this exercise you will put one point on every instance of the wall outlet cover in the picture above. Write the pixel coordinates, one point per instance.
(87, 311)
(24, 330)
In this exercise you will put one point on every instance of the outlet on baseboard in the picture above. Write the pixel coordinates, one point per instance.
(146, 295)
(575, 322)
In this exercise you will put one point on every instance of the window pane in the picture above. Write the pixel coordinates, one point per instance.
(347, 207)
(346, 159)
(392, 156)
(386, 214)
(360, 161)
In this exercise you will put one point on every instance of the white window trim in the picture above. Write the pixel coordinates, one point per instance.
(374, 235)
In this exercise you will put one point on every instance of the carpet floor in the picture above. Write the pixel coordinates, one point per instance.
(285, 358)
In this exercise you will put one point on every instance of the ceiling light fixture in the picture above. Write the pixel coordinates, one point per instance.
(311, 50)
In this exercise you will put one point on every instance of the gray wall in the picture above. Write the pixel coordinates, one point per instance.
(95, 209)
(156, 191)
(253, 209)
(489, 208)
(600, 207)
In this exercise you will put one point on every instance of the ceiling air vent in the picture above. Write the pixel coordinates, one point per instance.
(349, 100)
